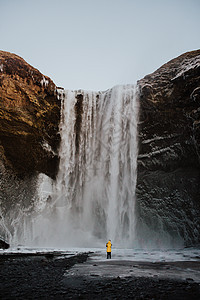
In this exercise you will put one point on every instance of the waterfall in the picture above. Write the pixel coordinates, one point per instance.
(94, 195)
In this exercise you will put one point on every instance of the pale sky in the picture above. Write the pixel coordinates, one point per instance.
(96, 44)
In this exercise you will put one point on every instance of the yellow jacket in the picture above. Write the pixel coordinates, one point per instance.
(108, 245)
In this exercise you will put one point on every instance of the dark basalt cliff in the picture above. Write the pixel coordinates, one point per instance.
(168, 185)
(29, 118)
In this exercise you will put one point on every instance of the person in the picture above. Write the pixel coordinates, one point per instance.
(108, 246)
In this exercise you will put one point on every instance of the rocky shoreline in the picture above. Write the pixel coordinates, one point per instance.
(51, 277)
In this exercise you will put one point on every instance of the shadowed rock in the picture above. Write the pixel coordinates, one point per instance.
(3, 244)
(169, 155)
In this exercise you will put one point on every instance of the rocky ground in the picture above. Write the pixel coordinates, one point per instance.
(53, 277)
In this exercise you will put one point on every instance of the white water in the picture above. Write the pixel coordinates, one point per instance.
(94, 196)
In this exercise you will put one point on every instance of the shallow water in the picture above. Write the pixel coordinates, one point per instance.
(171, 255)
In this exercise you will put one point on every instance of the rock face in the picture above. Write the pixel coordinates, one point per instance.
(29, 139)
(168, 186)
(29, 118)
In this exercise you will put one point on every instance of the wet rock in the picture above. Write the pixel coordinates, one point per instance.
(3, 244)
(189, 279)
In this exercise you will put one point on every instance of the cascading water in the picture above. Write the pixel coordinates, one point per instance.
(94, 194)
(97, 176)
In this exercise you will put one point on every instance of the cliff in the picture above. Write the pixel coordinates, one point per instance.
(29, 118)
(168, 186)
(168, 189)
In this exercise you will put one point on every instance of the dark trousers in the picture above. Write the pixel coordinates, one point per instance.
(108, 255)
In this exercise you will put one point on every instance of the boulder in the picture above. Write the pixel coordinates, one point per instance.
(168, 186)
(3, 244)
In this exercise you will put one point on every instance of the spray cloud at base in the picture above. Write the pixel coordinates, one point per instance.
(93, 198)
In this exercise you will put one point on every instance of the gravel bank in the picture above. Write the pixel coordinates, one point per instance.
(43, 277)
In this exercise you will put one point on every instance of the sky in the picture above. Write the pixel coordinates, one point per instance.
(96, 44)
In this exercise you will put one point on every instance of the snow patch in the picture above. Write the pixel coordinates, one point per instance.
(157, 138)
(154, 153)
(44, 82)
(48, 148)
(1, 67)
(60, 93)
(190, 64)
